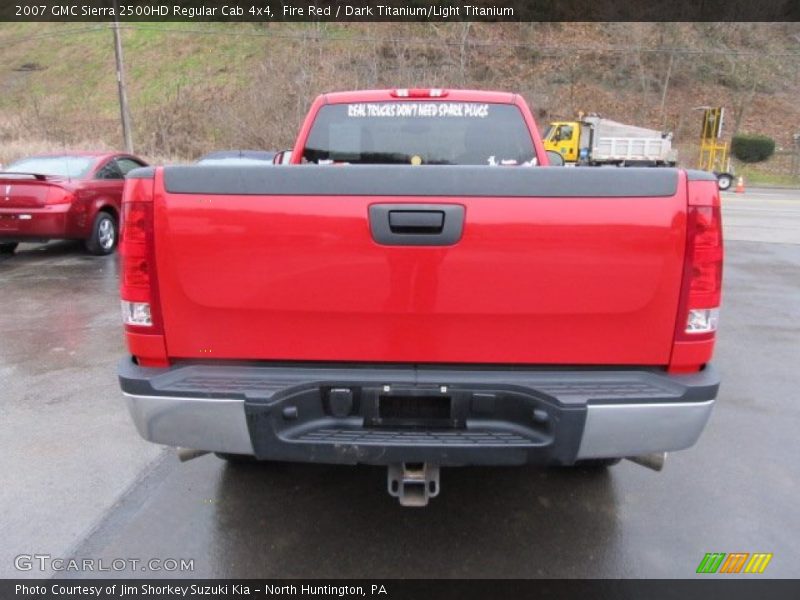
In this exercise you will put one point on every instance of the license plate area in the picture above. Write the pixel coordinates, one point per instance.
(414, 408)
(8, 222)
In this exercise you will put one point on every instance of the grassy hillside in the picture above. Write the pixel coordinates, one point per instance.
(197, 87)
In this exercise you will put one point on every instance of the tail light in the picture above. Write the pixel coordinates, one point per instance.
(137, 278)
(418, 93)
(702, 281)
(57, 195)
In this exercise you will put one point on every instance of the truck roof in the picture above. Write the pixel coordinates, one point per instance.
(450, 95)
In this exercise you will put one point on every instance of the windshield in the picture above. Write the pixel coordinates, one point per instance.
(60, 166)
(434, 133)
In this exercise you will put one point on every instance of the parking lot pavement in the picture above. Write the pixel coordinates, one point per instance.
(69, 451)
(762, 215)
(735, 491)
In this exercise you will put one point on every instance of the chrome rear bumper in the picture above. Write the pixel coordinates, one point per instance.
(508, 417)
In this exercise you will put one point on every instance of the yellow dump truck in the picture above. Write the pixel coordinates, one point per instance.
(594, 141)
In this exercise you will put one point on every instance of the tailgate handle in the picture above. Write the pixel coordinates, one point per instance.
(416, 221)
(416, 224)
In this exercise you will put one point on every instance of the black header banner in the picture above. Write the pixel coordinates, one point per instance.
(396, 589)
(268, 11)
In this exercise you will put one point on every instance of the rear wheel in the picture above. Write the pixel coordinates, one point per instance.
(103, 239)
(8, 248)
(724, 181)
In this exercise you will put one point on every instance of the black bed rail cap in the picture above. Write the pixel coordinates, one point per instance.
(402, 180)
(698, 175)
(141, 173)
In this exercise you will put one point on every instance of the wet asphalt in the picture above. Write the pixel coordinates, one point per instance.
(79, 482)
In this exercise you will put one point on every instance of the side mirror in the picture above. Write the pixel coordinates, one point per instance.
(555, 158)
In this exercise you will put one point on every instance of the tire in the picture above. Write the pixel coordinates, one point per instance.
(724, 181)
(104, 236)
(237, 459)
(597, 463)
(8, 248)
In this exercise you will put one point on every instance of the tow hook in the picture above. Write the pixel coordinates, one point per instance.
(654, 461)
(413, 484)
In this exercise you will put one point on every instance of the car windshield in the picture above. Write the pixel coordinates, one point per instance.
(60, 166)
(434, 133)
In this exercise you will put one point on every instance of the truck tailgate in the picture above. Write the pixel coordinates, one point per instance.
(552, 266)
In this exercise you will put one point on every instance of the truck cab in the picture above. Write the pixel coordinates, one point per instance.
(419, 127)
(564, 137)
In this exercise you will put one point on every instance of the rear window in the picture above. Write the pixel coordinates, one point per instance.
(433, 133)
(60, 166)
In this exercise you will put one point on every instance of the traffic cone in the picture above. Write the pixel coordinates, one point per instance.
(740, 186)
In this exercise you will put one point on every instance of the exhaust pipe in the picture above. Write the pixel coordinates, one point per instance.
(185, 454)
(654, 461)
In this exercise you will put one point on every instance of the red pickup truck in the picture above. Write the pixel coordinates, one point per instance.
(481, 308)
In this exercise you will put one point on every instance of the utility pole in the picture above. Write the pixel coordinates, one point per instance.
(123, 96)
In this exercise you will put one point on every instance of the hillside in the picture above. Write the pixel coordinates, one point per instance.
(198, 87)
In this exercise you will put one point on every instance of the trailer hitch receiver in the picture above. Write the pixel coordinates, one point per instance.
(413, 484)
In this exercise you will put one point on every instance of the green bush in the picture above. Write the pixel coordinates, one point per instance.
(752, 148)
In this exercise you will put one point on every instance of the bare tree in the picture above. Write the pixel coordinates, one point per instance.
(464, 50)
(664, 90)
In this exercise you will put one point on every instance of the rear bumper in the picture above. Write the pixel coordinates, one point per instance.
(35, 224)
(495, 417)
